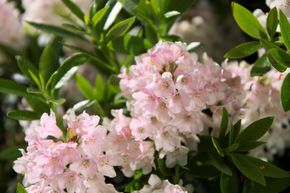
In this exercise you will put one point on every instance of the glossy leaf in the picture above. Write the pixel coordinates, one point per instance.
(219, 164)
(217, 146)
(256, 129)
(285, 29)
(285, 93)
(261, 66)
(272, 22)
(267, 169)
(69, 63)
(234, 132)
(247, 21)
(11, 87)
(280, 57)
(249, 145)
(100, 16)
(85, 87)
(23, 115)
(58, 31)
(28, 69)
(248, 168)
(120, 28)
(74, 9)
(243, 50)
(49, 59)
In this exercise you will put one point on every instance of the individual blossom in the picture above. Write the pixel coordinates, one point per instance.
(10, 30)
(167, 93)
(156, 185)
(75, 163)
(263, 99)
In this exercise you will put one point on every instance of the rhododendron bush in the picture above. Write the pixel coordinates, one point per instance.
(109, 98)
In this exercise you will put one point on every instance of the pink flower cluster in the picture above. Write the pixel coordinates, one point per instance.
(80, 161)
(167, 91)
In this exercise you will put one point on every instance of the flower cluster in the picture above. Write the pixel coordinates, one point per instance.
(167, 93)
(155, 185)
(75, 164)
(263, 99)
(10, 30)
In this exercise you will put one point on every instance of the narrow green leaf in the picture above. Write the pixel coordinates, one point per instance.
(49, 59)
(28, 69)
(272, 22)
(99, 16)
(11, 87)
(20, 189)
(267, 169)
(230, 184)
(234, 132)
(248, 168)
(58, 31)
(217, 147)
(256, 129)
(280, 56)
(285, 29)
(248, 186)
(249, 145)
(24, 115)
(247, 21)
(10, 154)
(120, 28)
(85, 87)
(64, 71)
(261, 66)
(243, 50)
(285, 93)
(74, 9)
(224, 123)
(100, 86)
(219, 164)
(278, 66)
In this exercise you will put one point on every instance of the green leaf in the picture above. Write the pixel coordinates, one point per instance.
(28, 69)
(267, 169)
(38, 104)
(273, 186)
(248, 186)
(49, 59)
(100, 86)
(248, 168)
(243, 50)
(24, 115)
(285, 93)
(272, 22)
(280, 56)
(85, 87)
(285, 29)
(11, 87)
(256, 129)
(74, 9)
(217, 146)
(66, 70)
(58, 31)
(219, 164)
(224, 123)
(120, 28)
(20, 189)
(234, 132)
(248, 22)
(99, 16)
(9, 154)
(249, 145)
(230, 184)
(261, 66)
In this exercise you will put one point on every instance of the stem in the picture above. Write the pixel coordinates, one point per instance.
(176, 176)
